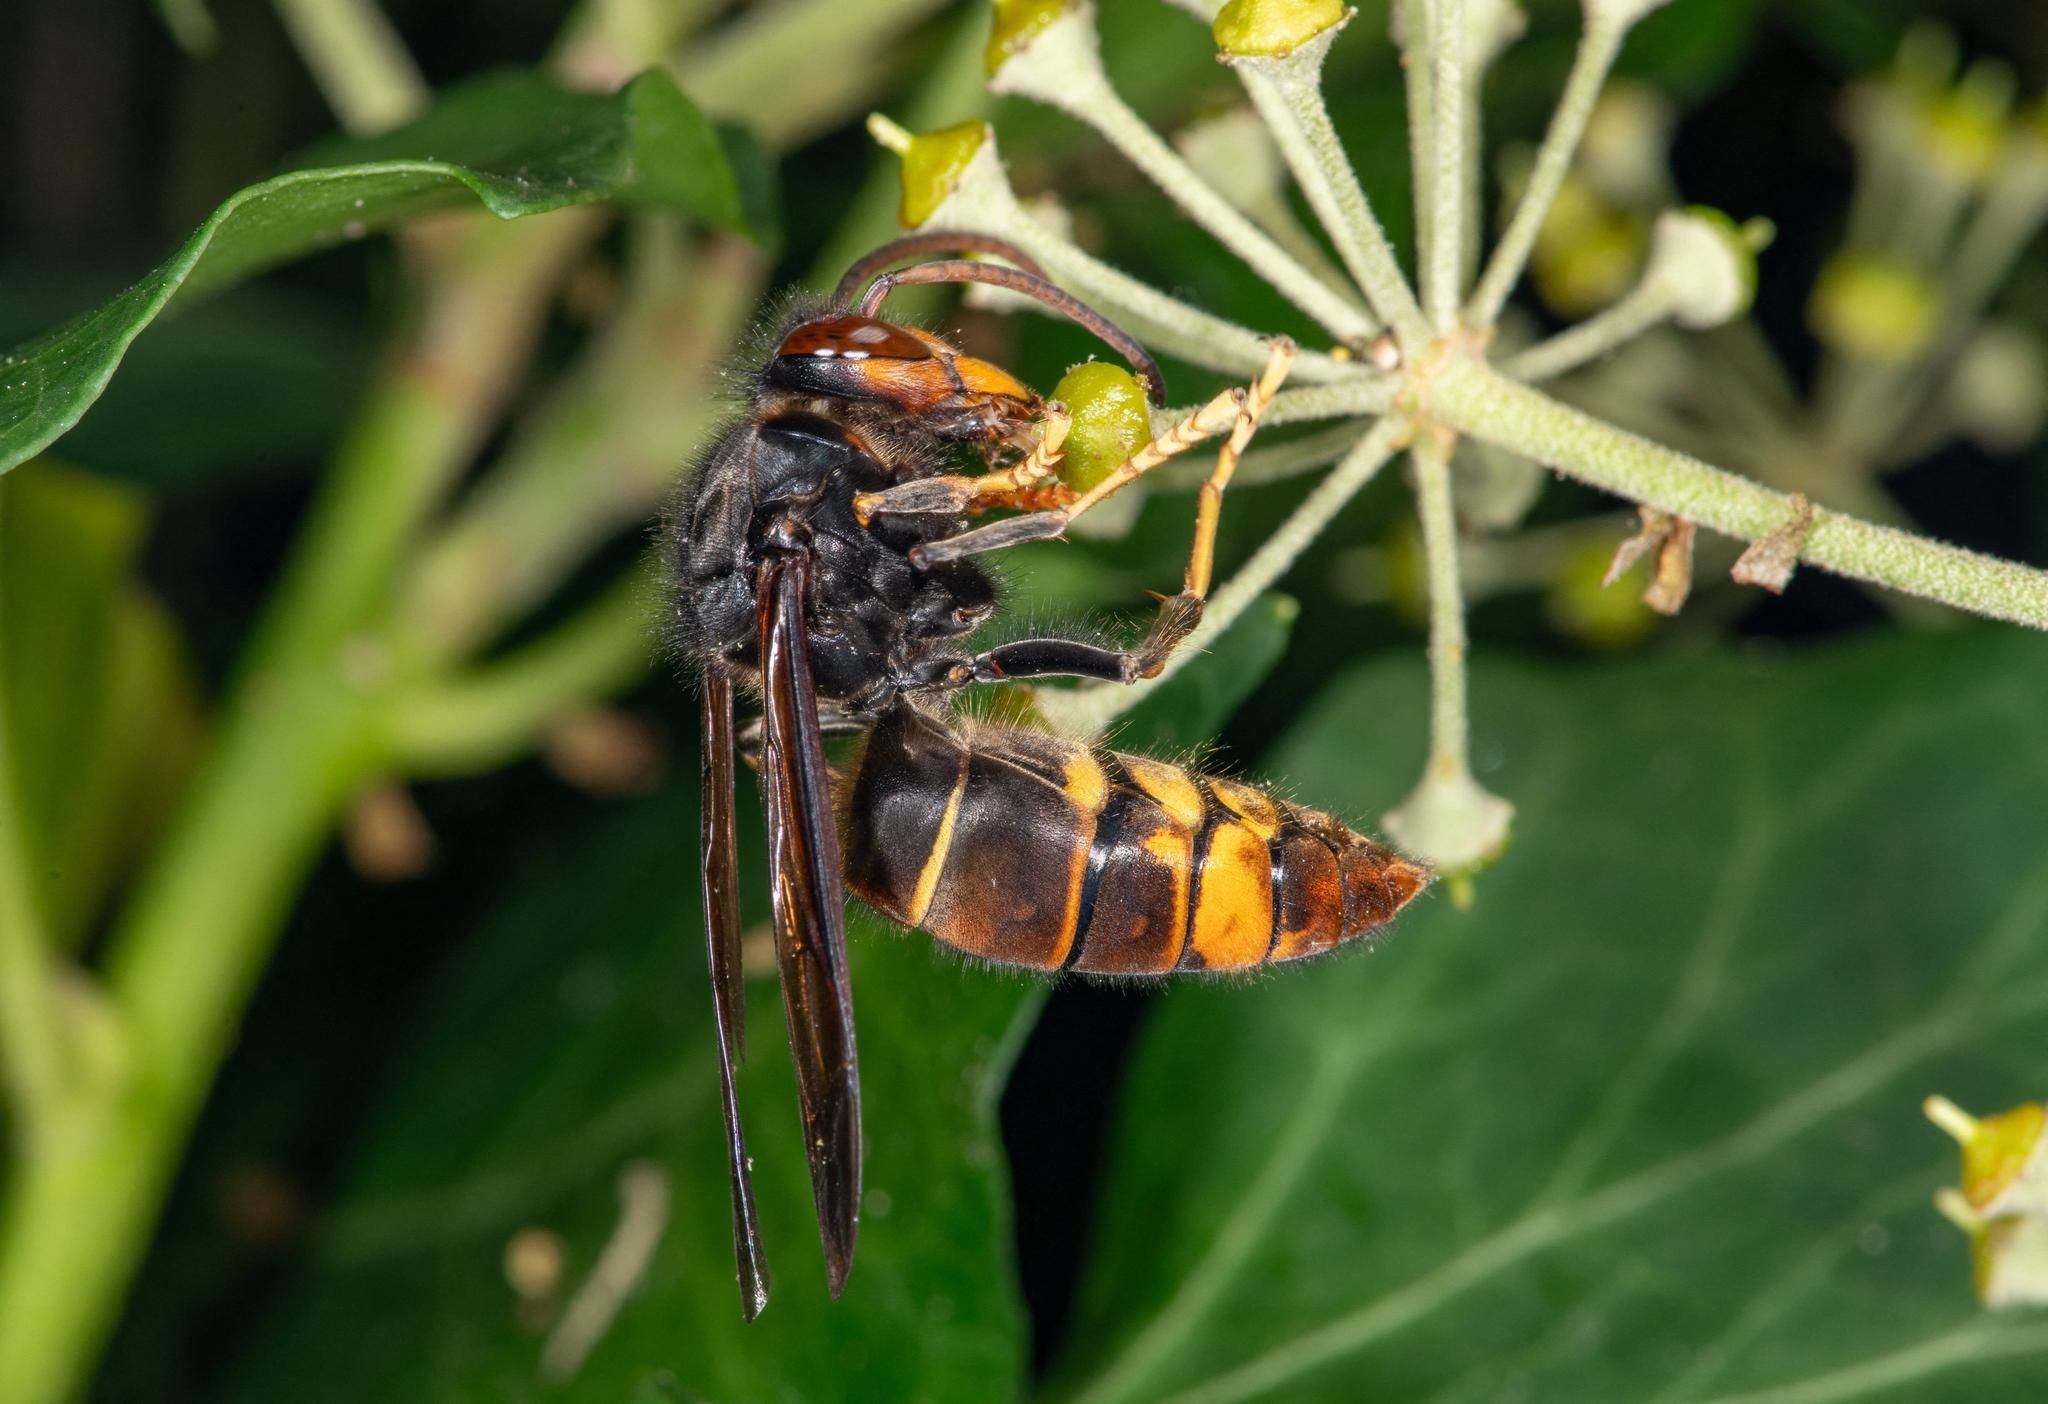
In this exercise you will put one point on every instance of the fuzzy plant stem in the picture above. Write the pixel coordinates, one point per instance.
(1087, 711)
(1164, 323)
(1288, 93)
(1448, 727)
(1597, 48)
(1063, 68)
(1466, 395)
(1417, 74)
(1643, 307)
(1441, 260)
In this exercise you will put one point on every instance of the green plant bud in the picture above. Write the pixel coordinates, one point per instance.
(1871, 306)
(1625, 154)
(932, 163)
(1964, 127)
(1580, 606)
(2005, 1156)
(1708, 262)
(1017, 23)
(1998, 392)
(1407, 574)
(1111, 421)
(1453, 823)
(2002, 1203)
(1587, 253)
(1273, 28)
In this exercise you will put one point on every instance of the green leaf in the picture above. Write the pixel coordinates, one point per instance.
(291, 363)
(1689, 50)
(190, 24)
(1853, 37)
(512, 141)
(573, 1039)
(1644, 1124)
(1189, 708)
(100, 703)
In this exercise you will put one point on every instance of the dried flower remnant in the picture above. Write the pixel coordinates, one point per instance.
(1770, 559)
(1671, 538)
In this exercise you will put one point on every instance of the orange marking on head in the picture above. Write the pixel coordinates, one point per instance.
(1234, 905)
(914, 385)
(987, 378)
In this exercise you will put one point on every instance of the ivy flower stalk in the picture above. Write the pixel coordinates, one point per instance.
(1432, 377)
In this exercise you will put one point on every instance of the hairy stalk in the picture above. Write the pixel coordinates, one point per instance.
(1441, 262)
(1598, 45)
(358, 61)
(1274, 463)
(1374, 395)
(1643, 307)
(1288, 93)
(1417, 73)
(1087, 711)
(983, 200)
(1062, 68)
(1472, 398)
(1448, 817)
(1449, 729)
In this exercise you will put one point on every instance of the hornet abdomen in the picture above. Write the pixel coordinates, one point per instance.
(1029, 849)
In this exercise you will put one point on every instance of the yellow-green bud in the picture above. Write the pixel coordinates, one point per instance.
(1587, 253)
(1273, 28)
(1998, 392)
(932, 163)
(1870, 306)
(2003, 1200)
(1017, 23)
(1111, 421)
(1585, 609)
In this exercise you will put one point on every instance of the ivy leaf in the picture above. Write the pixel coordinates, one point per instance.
(1644, 1124)
(101, 705)
(513, 142)
(572, 1040)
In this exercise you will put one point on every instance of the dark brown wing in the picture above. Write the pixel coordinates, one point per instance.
(722, 935)
(805, 878)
